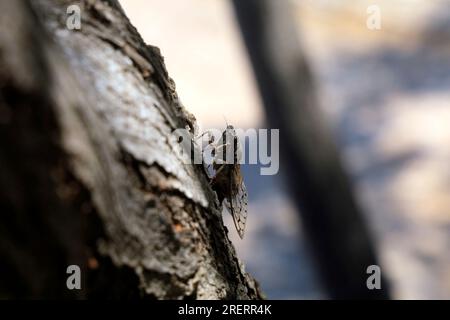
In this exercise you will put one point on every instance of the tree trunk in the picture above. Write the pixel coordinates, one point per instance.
(89, 175)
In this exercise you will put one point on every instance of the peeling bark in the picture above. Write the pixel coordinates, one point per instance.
(89, 174)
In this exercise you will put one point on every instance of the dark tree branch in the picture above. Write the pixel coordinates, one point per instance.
(332, 220)
(88, 173)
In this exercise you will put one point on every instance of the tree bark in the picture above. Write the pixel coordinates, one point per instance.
(89, 175)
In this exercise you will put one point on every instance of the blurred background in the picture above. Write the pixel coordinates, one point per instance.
(385, 95)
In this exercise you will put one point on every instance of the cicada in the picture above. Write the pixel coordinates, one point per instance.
(227, 179)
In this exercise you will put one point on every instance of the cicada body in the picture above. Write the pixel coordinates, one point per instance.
(227, 180)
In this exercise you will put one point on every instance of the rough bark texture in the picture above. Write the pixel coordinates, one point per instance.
(88, 173)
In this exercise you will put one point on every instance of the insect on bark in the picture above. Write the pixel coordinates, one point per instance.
(227, 179)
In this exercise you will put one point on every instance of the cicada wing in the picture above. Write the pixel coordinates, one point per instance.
(236, 204)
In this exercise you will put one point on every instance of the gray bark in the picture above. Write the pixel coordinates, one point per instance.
(88, 173)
